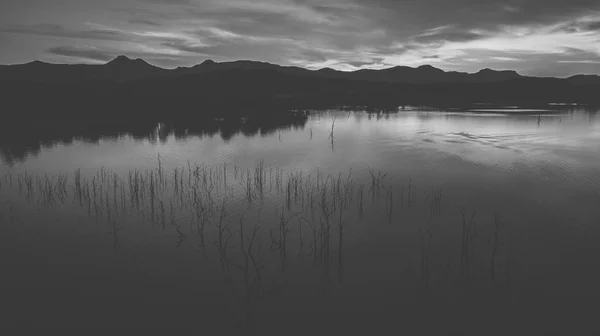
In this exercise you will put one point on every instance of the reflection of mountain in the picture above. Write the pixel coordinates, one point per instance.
(17, 144)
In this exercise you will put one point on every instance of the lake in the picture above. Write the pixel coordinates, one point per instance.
(483, 221)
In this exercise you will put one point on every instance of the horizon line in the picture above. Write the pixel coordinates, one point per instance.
(287, 66)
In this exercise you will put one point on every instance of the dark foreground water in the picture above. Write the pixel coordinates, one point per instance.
(419, 223)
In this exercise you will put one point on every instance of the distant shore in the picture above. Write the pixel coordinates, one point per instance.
(133, 90)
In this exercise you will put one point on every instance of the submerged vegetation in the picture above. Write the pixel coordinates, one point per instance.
(269, 247)
(261, 221)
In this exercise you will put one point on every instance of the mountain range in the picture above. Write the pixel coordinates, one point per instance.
(134, 90)
(123, 69)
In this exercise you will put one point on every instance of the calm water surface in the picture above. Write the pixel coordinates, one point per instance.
(422, 221)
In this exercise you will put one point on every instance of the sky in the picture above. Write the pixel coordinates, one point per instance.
(534, 37)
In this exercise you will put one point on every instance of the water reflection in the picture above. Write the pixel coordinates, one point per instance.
(18, 143)
(420, 216)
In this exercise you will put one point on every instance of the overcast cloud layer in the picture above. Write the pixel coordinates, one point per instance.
(535, 37)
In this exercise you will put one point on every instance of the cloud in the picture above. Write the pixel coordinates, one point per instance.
(594, 25)
(289, 10)
(452, 36)
(187, 47)
(526, 39)
(343, 34)
(505, 59)
(169, 2)
(87, 53)
(50, 29)
(581, 61)
(146, 22)
(483, 13)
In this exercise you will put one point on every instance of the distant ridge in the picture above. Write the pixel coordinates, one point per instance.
(584, 79)
(133, 89)
(123, 68)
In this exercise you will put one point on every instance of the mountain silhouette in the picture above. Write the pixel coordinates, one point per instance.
(134, 90)
(398, 74)
(584, 79)
(123, 68)
(212, 66)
